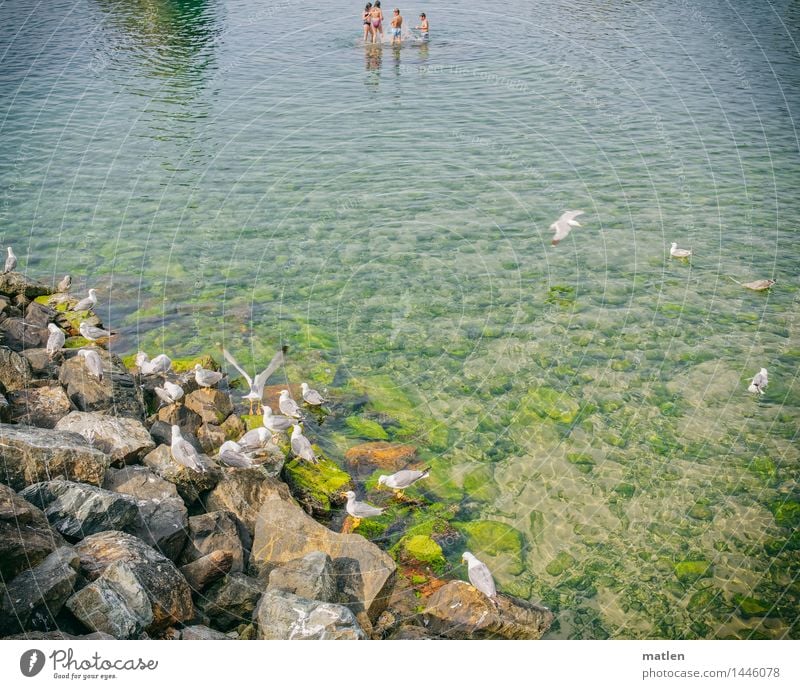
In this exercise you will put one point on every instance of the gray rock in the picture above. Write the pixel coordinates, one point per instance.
(40, 314)
(5, 408)
(59, 636)
(169, 594)
(139, 482)
(282, 615)
(409, 632)
(162, 524)
(211, 405)
(190, 484)
(199, 632)
(207, 569)
(40, 406)
(29, 455)
(178, 415)
(125, 440)
(26, 536)
(311, 576)
(15, 283)
(41, 364)
(116, 603)
(215, 531)
(231, 601)
(15, 371)
(17, 334)
(77, 510)
(34, 598)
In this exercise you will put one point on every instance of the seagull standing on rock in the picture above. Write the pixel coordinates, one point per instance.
(359, 510)
(759, 382)
(206, 378)
(301, 446)
(311, 396)
(288, 406)
(274, 422)
(88, 303)
(256, 393)
(170, 393)
(183, 452)
(93, 362)
(479, 575)
(401, 480)
(11, 261)
(55, 341)
(255, 439)
(64, 285)
(564, 225)
(675, 252)
(149, 367)
(230, 453)
(93, 333)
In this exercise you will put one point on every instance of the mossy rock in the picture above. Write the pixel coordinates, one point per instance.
(317, 486)
(536, 518)
(786, 513)
(751, 607)
(359, 427)
(626, 490)
(479, 484)
(688, 571)
(76, 342)
(495, 539)
(424, 550)
(252, 421)
(555, 405)
(701, 512)
(188, 363)
(584, 463)
(560, 564)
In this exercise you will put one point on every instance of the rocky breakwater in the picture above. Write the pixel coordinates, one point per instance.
(120, 518)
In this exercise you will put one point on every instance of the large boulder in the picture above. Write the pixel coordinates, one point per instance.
(42, 366)
(311, 576)
(204, 571)
(179, 415)
(215, 531)
(211, 405)
(26, 536)
(282, 615)
(29, 455)
(34, 598)
(242, 492)
(458, 610)
(189, 483)
(285, 532)
(117, 393)
(231, 602)
(77, 510)
(14, 283)
(18, 334)
(15, 371)
(125, 440)
(40, 406)
(169, 594)
(139, 482)
(162, 524)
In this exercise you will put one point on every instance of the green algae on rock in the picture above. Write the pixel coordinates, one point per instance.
(317, 486)
(495, 539)
(560, 564)
(544, 401)
(423, 550)
(368, 429)
(688, 571)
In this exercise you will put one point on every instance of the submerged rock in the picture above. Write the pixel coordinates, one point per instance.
(383, 455)
(41, 406)
(232, 601)
(311, 576)
(458, 610)
(30, 455)
(282, 615)
(125, 440)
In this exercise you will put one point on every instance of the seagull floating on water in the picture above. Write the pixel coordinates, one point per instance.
(170, 393)
(88, 303)
(11, 261)
(759, 382)
(311, 396)
(564, 225)
(231, 454)
(288, 406)
(401, 480)
(301, 446)
(55, 341)
(479, 575)
(360, 510)
(757, 285)
(91, 332)
(675, 252)
(64, 285)
(93, 362)
(206, 378)
(257, 384)
(149, 367)
(184, 453)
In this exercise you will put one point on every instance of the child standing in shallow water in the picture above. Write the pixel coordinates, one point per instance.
(423, 25)
(366, 20)
(397, 26)
(376, 18)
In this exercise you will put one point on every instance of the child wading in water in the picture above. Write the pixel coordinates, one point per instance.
(423, 25)
(376, 19)
(397, 26)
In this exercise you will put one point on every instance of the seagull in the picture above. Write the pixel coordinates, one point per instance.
(301, 446)
(231, 454)
(55, 341)
(255, 439)
(310, 396)
(564, 225)
(360, 510)
(479, 575)
(206, 378)
(149, 367)
(90, 332)
(88, 303)
(257, 384)
(675, 252)
(170, 393)
(274, 422)
(183, 451)
(403, 479)
(11, 261)
(64, 285)
(758, 285)
(288, 406)
(93, 362)
(759, 382)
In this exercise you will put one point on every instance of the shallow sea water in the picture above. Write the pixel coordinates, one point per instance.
(248, 173)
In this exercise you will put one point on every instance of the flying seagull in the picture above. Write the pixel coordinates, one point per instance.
(11, 261)
(675, 252)
(360, 510)
(257, 384)
(55, 341)
(93, 362)
(401, 480)
(564, 225)
(301, 446)
(759, 382)
(479, 575)
(206, 378)
(183, 452)
(87, 303)
(170, 393)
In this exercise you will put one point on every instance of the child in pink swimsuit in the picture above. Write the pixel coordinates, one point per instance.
(376, 17)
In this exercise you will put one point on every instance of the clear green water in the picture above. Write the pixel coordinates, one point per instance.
(245, 172)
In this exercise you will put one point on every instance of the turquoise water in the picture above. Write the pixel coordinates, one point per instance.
(248, 173)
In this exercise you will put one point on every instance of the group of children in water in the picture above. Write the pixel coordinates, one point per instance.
(373, 24)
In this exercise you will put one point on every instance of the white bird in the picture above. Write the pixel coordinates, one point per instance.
(311, 396)
(759, 382)
(257, 384)
(206, 378)
(91, 332)
(288, 406)
(360, 510)
(274, 422)
(93, 362)
(301, 446)
(230, 453)
(563, 225)
(758, 285)
(675, 252)
(170, 393)
(11, 261)
(255, 439)
(55, 341)
(88, 303)
(64, 285)
(479, 575)
(401, 480)
(183, 452)
(149, 367)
